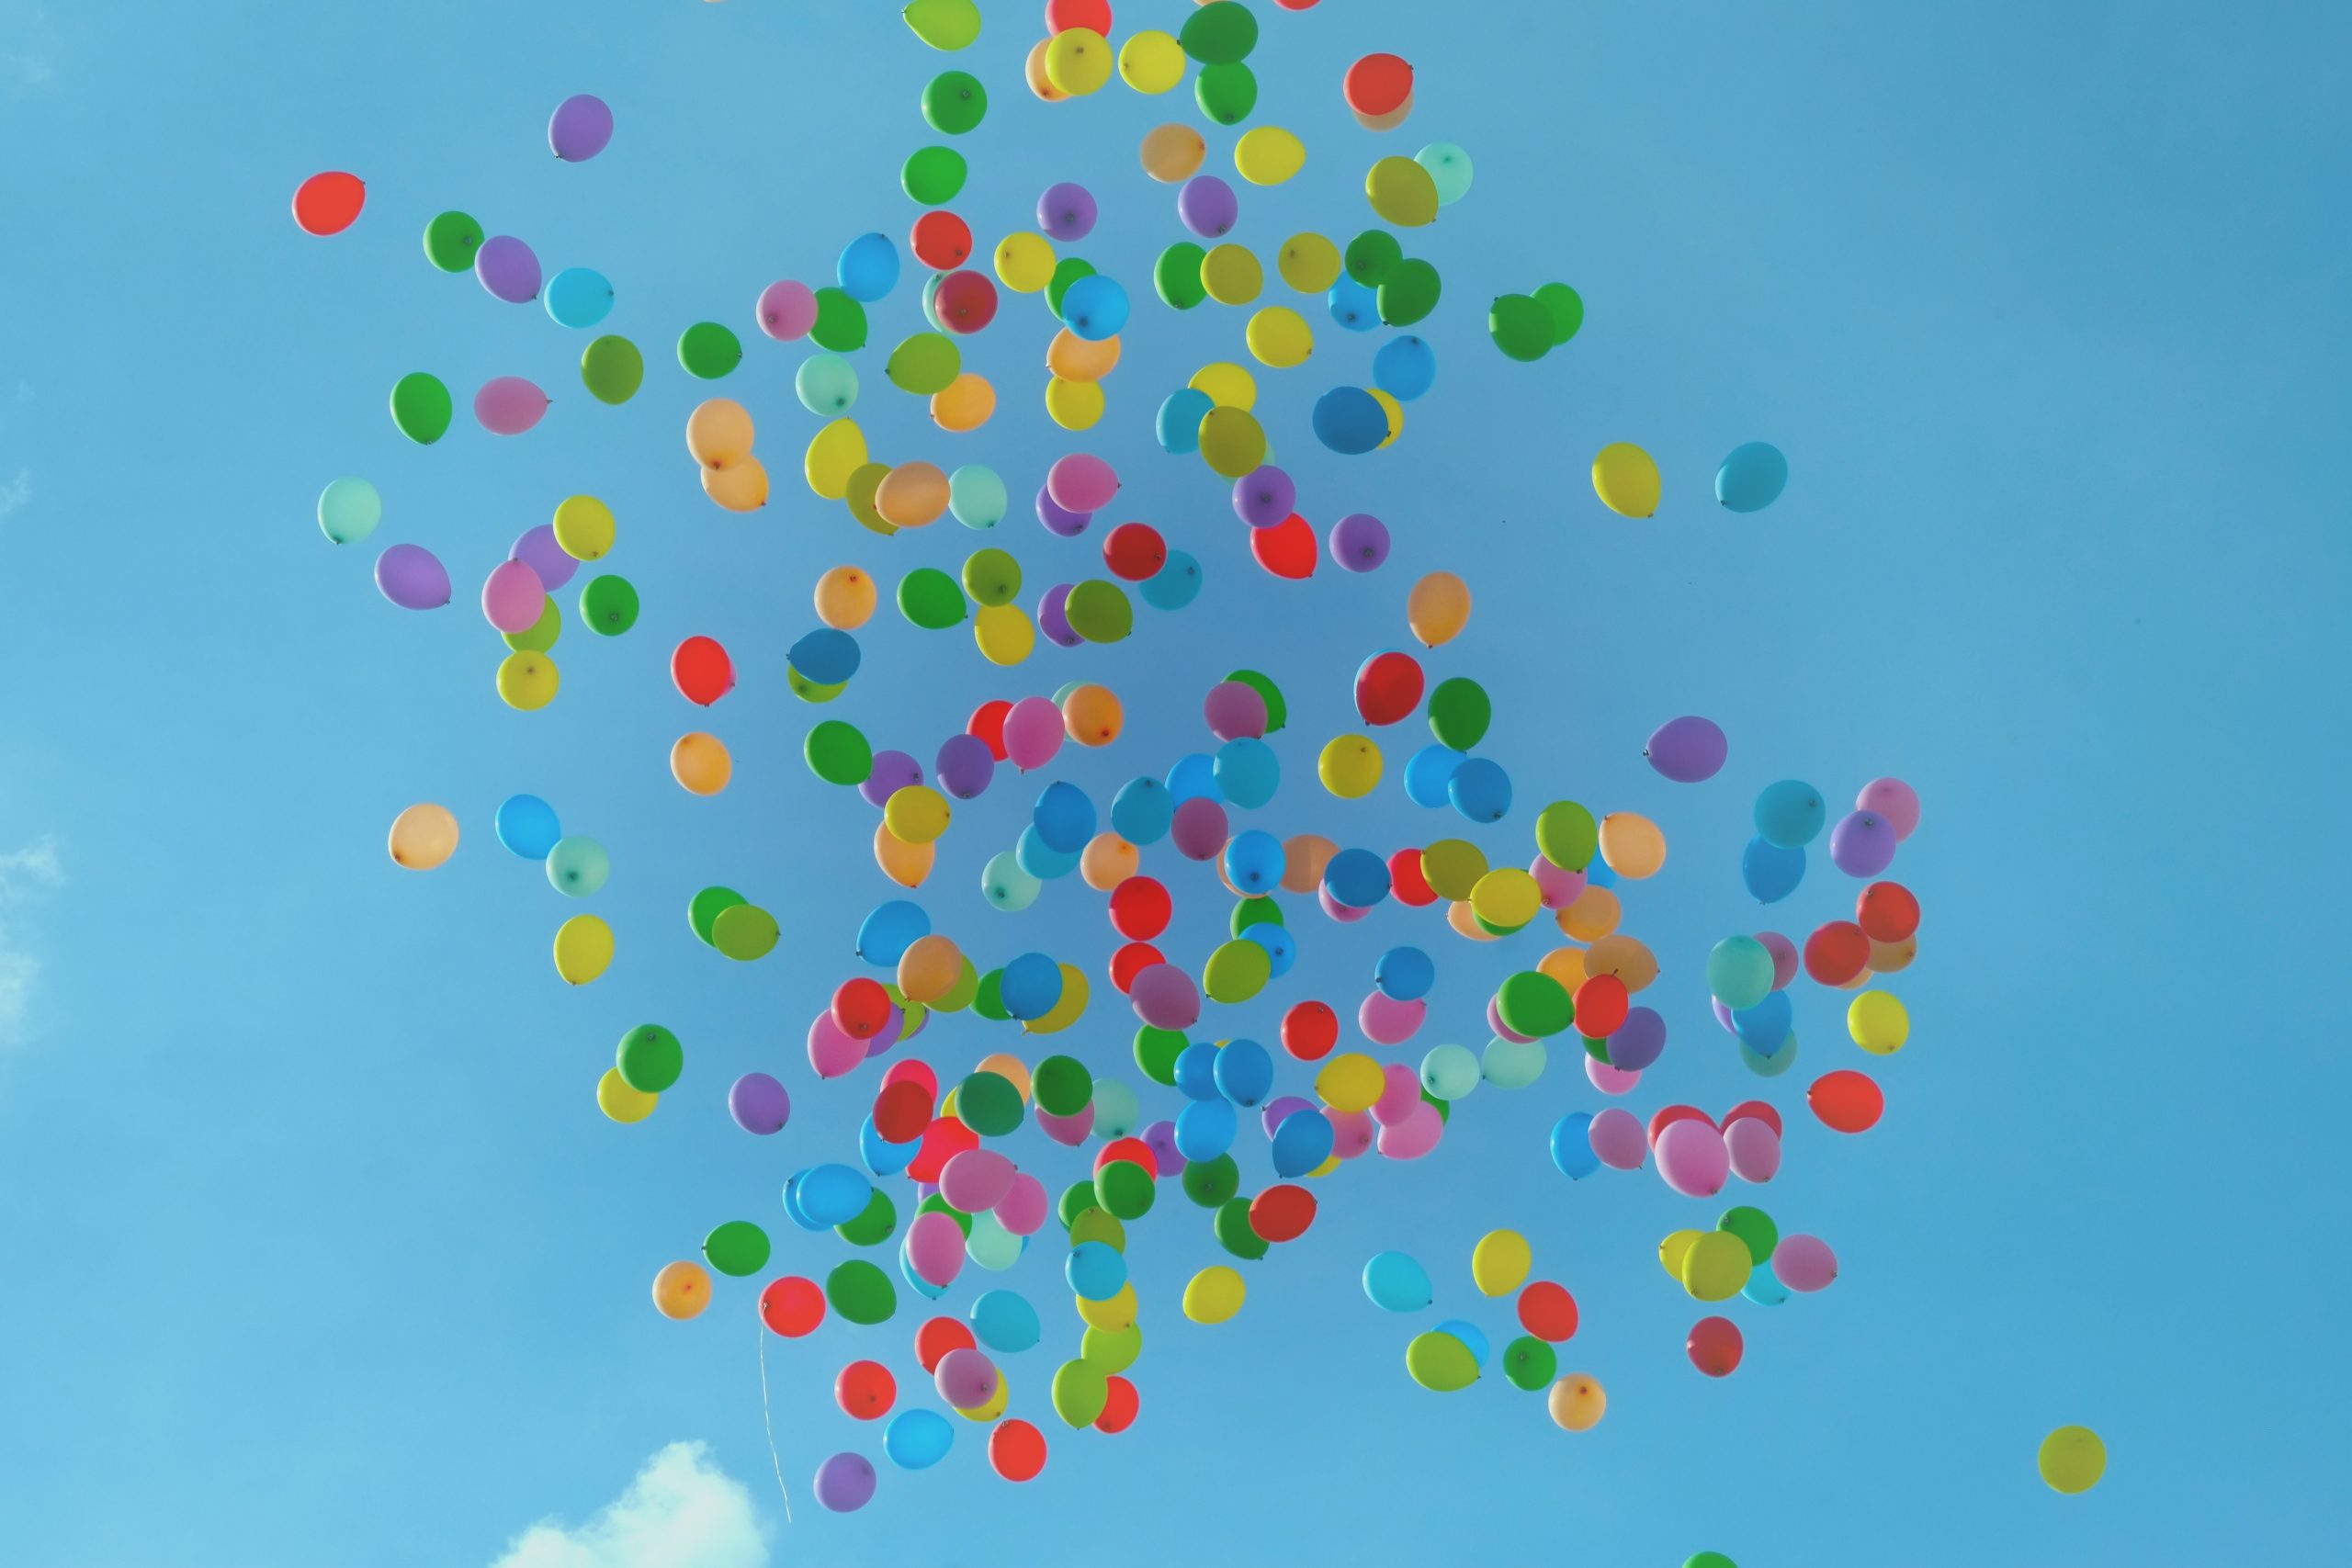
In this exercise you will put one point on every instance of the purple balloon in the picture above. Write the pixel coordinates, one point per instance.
(1060, 519)
(506, 266)
(1862, 844)
(1199, 831)
(1722, 1016)
(1235, 711)
(538, 550)
(758, 1104)
(893, 770)
(1360, 541)
(845, 1482)
(964, 766)
(1275, 1110)
(1618, 1140)
(1052, 616)
(1164, 996)
(1207, 207)
(1160, 1138)
(412, 576)
(1264, 496)
(1067, 211)
(1639, 1041)
(1689, 750)
(579, 128)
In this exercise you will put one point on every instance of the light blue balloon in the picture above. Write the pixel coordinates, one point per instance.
(1205, 1129)
(1739, 972)
(528, 826)
(1303, 1141)
(1142, 811)
(1176, 584)
(1512, 1064)
(1428, 772)
(1063, 816)
(1769, 872)
(1405, 368)
(1765, 1026)
(1480, 790)
(917, 1439)
(1396, 1282)
(1179, 425)
(1450, 1072)
(1247, 773)
(578, 297)
(888, 930)
(1405, 974)
(1096, 1271)
(1194, 777)
(1469, 1334)
(1245, 1072)
(826, 385)
(827, 655)
(1771, 1065)
(835, 1194)
(1764, 1288)
(1030, 986)
(792, 1209)
(578, 865)
(1572, 1145)
(349, 510)
(1449, 168)
(1752, 477)
(1006, 884)
(1253, 860)
(1355, 307)
(922, 1286)
(977, 496)
(1004, 1321)
(1040, 859)
(1790, 814)
(990, 1246)
(1115, 1111)
(869, 268)
(1281, 948)
(1094, 308)
(883, 1158)
(1196, 1071)
(1350, 420)
(1598, 874)
(1357, 878)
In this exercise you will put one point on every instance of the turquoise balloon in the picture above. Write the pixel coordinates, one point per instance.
(1449, 1072)
(1449, 168)
(918, 1438)
(1752, 477)
(1041, 860)
(1006, 884)
(1176, 584)
(977, 496)
(827, 385)
(1142, 811)
(1179, 425)
(1405, 368)
(922, 1286)
(1429, 772)
(1790, 814)
(349, 510)
(578, 297)
(578, 865)
(1004, 1321)
(1396, 1283)
(1739, 972)
(1470, 1335)
(1764, 1289)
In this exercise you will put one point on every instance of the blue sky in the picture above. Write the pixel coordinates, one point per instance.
(316, 1248)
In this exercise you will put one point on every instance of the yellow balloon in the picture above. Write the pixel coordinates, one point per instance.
(1451, 867)
(1394, 409)
(965, 404)
(1879, 1022)
(930, 967)
(1231, 274)
(1073, 405)
(1717, 1266)
(1215, 1294)
(1280, 338)
(1577, 1402)
(1004, 634)
(1091, 715)
(837, 452)
(700, 764)
(1437, 608)
(621, 1103)
(1330, 1163)
(1078, 62)
(904, 864)
(1229, 384)
(423, 836)
(1350, 1081)
(1232, 444)
(947, 1103)
(1632, 844)
(1592, 915)
(1626, 480)
(996, 1402)
(584, 947)
(1065, 1011)
(528, 680)
(864, 484)
(1267, 155)
(1024, 262)
(1506, 896)
(1623, 956)
(2071, 1459)
(1152, 62)
(1350, 766)
(584, 526)
(1464, 921)
(741, 486)
(681, 1290)
(1107, 861)
(1172, 153)
(1009, 1068)
(718, 433)
(1402, 192)
(1499, 1262)
(1674, 1249)
(1113, 1315)
(1074, 358)
(1565, 965)
(845, 598)
(1309, 263)
(911, 496)
(915, 814)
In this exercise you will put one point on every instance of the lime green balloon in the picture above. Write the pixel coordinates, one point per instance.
(1211, 1183)
(861, 1292)
(1113, 1350)
(1081, 1390)
(1098, 1223)
(1460, 711)
(1755, 1227)
(1254, 912)
(840, 321)
(1565, 306)
(704, 907)
(1176, 276)
(1534, 1004)
(1222, 33)
(989, 1000)
(1408, 293)
(2071, 1460)
(1156, 1051)
(609, 606)
(1716, 1266)
(954, 102)
(421, 407)
(929, 598)
(875, 1226)
(708, 351)
(612, 369)
(649, 1058)
(1277, 710)
(744, 933)
(1099, 611)
(924, 363)
(1372, 255)
(988, 1104)
(1237, 971)
(1521, 327)
(1126, 1188)
(1530, 1363)
(943, 24)
(992, 577)
(543, 633)
(1567, 835)
(933, 175)
(809, 690)
(738, 1247)
(1226, 93)
(451, 240)
(1441, 1362)
(839, 754)
(1067, 271)
(960, 996)
(1401, 192)
(935, 1204)
(1062, 1085)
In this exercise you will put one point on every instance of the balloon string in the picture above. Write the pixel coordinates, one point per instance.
(767, 1419)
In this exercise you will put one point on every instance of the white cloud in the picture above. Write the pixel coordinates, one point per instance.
(682, 1511)
(34, 866)
(28, 45)
(16, 494)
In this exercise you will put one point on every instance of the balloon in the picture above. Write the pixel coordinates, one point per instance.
(1388, 688)
(508, 269)
(423, 837)
(1803, 1263)
(1846, 1102)
(1358, 542)
(1151, 62)
(1350, 420)
(700, 764)
(1078, 61)
(578, 297)
(1439, 1361)
(1693, 1158)
(1231, 275)
(1626, 480)
(1686, 750)
(1893, 800)
(2071, 1459)
(1618, 1141)
(944, 25)
(1631, 845)
(1714, 1347)
(349, 510)
(1016, 1450)
(1499, 1262)
(421, 407)
(329, 203)
(1401, 192)
(1279, 337)
(1878, 1022)
(450, 240)
(1207, 205)
(1268, 155)
(1213, 1294)
(1437, 608)
(1862, 844)
(933, 175)
(681, 1290)
(1226, 93)
(953, 102)
(1752, 477)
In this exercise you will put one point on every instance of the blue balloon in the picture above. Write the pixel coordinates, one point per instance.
(1428, 772)
(1764, 1026)
(1479, 789)
(1245, 1072)
(1176, 584)
(1572, 1145)
(1404, 973)
(918, 1438)
(1063, 816)
(1040, 859)
(1771, 871)
(1205, 1129)
(1094, 308)
(1470, 1335)
(1281, 948)
(1404, 368)
(1303, 1141)
(1253, 860)
(1096, 1271)
(1030, 986)
(1396, 1282)
(1765, 1289)
(889, 930)
(1181, 413)
(1752, 477)
(1349, 420)
(919, 1285)
(578, 297)
(528, 826)
(1248, 773)
(1003, 1320)
(1354, 306)
(833, 1194)
(1142, 811)
(1194, 777)
(1357, 878)
(883, 1158)
(1196, 1071)
(827, 655)
(1790, 814)
(868, 269)
(792, 1209)
(1598, 874)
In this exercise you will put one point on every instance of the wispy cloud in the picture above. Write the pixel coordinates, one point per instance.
(16, 493)
(22, 872)
(682, 1511)
(28, 45)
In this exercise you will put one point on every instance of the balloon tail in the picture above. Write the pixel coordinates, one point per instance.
(767, 1419)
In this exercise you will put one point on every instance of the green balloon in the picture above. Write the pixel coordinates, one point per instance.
(1597, 1049)
(612, 369)
(1439, 1362)
(543, 633)
(1708, 1560)
(1372, 255)
(1254, 912)
(861, 1292)
(1460, 712)
(1176, 276)
(738, 1247)
(1521, 327)
(1755, 1227)
(649, 1058)
(935, 1204)
(1277, 710)
(1076, 1200)
(1233, 1229)
(1156, 1054)
(1444, 1107)
(929, 597)
(421, 407)
(1566, 835)
(1212, 1182)
(1534, 1004)
(1063, 1087)
(744, 933)
(1407, 294)
(704, 907)
(875, 1226)
(1226, 93)
(1565, 306)
(1097, 1223)
(708, 351)
(988, 1104)
(990, 577)
(1099, 611)
(954, 102)
(608, 605)
(1235, 971)
(451, 240)
(989, 1000)
(807, 690)
(933, 175)
(943, 24)
(840, 321)
(1113, 1350)
(959, 994)
(1126, 1188)
(1220, 34)
(838, 753)
(1530, 1363)
(1081, 1390)
(1067, 271)
(923, 363)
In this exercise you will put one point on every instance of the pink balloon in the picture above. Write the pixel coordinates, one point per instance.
(1693, 1159)
(976, 1179)
(1234, 711)
(1068, 1131)
(1198, 830)
(1618, 1140)
(1024, 1206)
(1784, 957)
(1165, 997)
(964, 1377)
(787, 309)
(1033, 733)
(935, 1249)
(508, 405)
(1495, 1024)
(513, 598)
(1335, 909)
(1387, 1021)
(1558, 885)
(833, 1050)
(1895, 801)
(1416, 1135)
(1352, 1132)
(1401, 1092)
(1804, 1263)
(1755, 1150)
(1608, 1080)
(1081, 483)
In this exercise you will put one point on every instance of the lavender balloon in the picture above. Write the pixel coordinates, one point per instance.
(508, 405)
(1198, 830)
(1052, 616)
(508, 268)
(1235, 711)
(1207, 207)
(1264, 496)
(1160, 1138)
(1271, 1118)
(1689, 750)
(893, 770)
(964, 766)
(1067, 211)
(1360, 541)
(1165, 997)
(412, 576)
(845, 1482)
(1639, 1041)
(1059, 519)
(537, 549)
(1862, 844)
(758, 1104)
(581, 127)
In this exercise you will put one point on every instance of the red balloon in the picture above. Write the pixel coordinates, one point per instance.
(1836, 952)
(1886, 911)
(1134, 1150)
(1667, 1115)
(1714, 1346)
(1547, 1311)
(1131, 960)
(1119, 1410)
(1286, 549)
(1845, 1100)
(1134, 551)
(913, 1069)
(942, 1141)
(329, 203)
(862, 1008)
(1140, 907)
(1281, 1212)
(1406, 881)
(1388, 688)
(1602, 1002)
(865, 1389)
(988, 723)
(941, 241)
(965, 302)
(902, 1111)
(1016, 1450)
(1377, 85)
(1063, 15)
(937, 1336)
(703, 672)
(1309, 1030)
(1756, 1108)
(792, 1306)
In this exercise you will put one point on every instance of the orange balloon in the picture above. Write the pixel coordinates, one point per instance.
(700, 764)
(1091, 716)
(1592, 915)
(681, 1290)
(965, 404)
(741, 486)
(1632, 844)
(930, 967)
(1577, 1402)
(1304, 859)
(1009, 1068)
(1172, 153)
(1623, 956)
(904, 864)
(1565, 965)
(1893, 958)
(718, 433)
(1464, 920)
(845, 598)
(1044, 87)
(911, 496)
(1074, 358)
(1107, 861)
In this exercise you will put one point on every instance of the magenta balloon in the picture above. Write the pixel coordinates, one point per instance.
(833, 1051)
(1165, 997)
(976, 1179)
(935, 1248)
(1803, 1263)
(1416, 1134)
(1081, 483)
(1755, 1150)
(508, 268)
(1895, 801)
(1639, 1041)
(1025, 1205)
(1862, 844)
(554, 564)
(1160, 1139)
(844, 1482)
(1689, 750)
(1352, 1132)
(512, 597)
(1495, 1024)
(581, 127)
(787, 310)
(1068, 1131)
(1387, 1021)
(893, 770)
(1067, 211)
(1558, 885)
(1400, 1091)
(1199, 831)
(508, 405)
(1207, 206)
(1618, 1140)
(1784, 957)
(1270, 1115)
(1360, 541)
(964, 1377)
(1059, 519)
(1264, 496)
(1052, 616)
(1693, 1159)
(758, 1104)
(412, 576)
(1235, 711)
(1033, 733)
(964, 765)
(1608, 1080)
(1337, 910)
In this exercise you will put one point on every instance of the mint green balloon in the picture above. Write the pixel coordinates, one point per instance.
(578, 865)
(827, 385)
(1450, 171)
(977, 496)
(349, 510)
(989, 1245)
